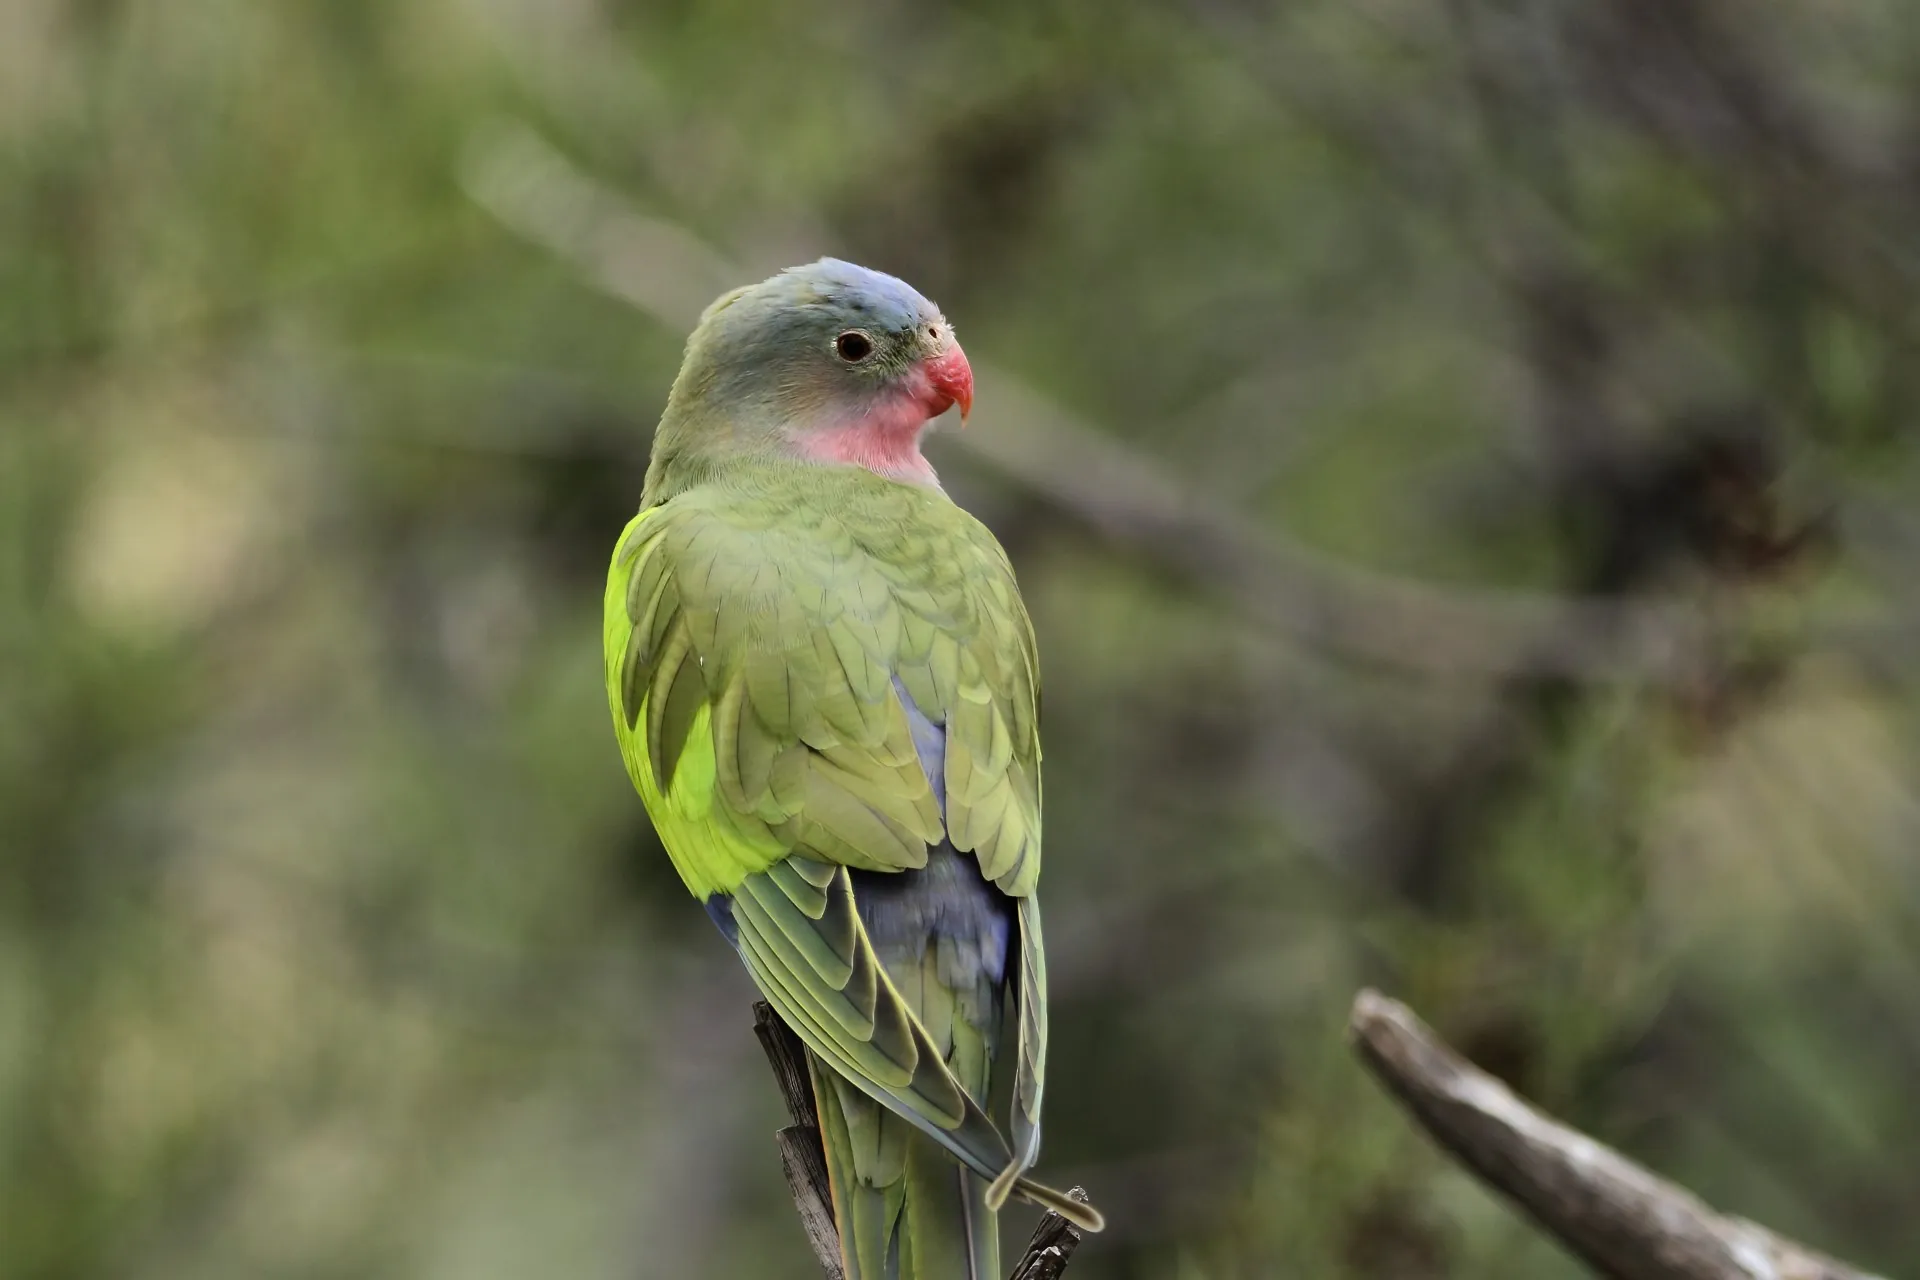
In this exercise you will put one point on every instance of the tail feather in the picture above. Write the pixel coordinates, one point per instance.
(1078, 1212)
(917, 1196)
(905, 1208)
(981, 1224)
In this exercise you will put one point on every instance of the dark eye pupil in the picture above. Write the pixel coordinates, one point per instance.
(853, 346)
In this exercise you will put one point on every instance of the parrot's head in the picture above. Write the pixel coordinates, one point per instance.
(825, 363)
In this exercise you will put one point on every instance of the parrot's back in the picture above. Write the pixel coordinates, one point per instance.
(843, 762)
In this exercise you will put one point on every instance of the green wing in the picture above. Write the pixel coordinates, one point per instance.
(758, 640)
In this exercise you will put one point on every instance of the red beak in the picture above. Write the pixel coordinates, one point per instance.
(951, 378)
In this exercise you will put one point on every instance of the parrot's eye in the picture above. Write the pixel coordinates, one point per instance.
(853, 346)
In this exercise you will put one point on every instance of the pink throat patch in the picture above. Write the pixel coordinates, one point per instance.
(886, 441)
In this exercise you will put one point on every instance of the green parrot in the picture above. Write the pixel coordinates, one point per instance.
(825, 689)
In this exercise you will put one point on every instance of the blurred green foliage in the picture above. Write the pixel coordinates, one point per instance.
(332, 940)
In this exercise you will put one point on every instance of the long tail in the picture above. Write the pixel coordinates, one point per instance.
(906, 1209)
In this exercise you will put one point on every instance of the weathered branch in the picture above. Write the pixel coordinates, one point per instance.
(1052, 1246)
(804, 1160)
(802, 1156)
(1611, 1213)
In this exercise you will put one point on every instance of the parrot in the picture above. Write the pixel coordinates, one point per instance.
(825, 688)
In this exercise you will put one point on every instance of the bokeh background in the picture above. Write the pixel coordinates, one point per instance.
(1460, 458)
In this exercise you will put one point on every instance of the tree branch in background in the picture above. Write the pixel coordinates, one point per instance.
(1609, 1212)
(804, 1160)
(664, 271)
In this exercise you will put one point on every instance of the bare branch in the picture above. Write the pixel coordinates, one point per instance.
(1610, 1212)
(802, 1157)
(1052, 1246)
